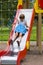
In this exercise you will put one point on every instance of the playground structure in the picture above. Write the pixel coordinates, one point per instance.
(38, 6)
(18, 55)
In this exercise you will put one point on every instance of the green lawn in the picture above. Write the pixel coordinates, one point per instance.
(34, 34)
(4, 34)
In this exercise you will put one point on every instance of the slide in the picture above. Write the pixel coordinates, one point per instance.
(7, 56)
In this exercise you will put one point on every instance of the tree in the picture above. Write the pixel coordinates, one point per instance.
(7, 8)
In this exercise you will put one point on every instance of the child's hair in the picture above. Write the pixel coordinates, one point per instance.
(22, 16)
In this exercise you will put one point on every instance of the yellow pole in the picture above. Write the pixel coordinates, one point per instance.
(28, 45)
(20, 2)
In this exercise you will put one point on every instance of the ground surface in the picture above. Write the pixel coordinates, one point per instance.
(33, 57)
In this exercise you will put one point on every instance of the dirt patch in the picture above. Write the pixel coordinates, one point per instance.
(3, 46)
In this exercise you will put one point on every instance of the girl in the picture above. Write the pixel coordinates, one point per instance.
(21, 29)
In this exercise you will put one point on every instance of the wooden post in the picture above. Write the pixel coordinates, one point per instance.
(39, 24)
(25, 4)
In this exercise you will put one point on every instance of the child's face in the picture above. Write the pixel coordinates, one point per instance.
(22, 19)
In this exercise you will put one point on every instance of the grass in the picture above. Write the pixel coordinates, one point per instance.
(34, 34)
(4, 34)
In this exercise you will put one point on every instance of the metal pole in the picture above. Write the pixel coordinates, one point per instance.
(39, 24)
